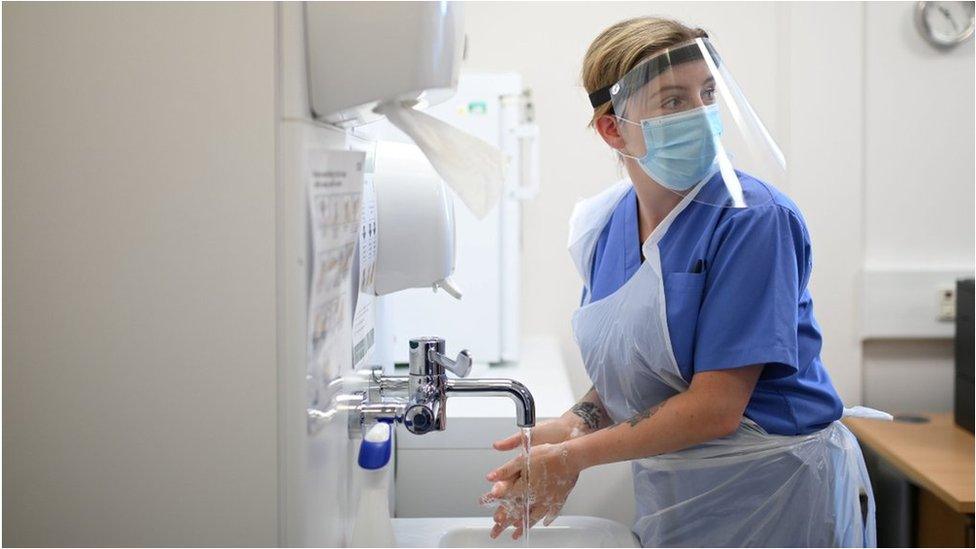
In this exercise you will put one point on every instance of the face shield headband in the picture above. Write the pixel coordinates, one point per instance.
(650, 69)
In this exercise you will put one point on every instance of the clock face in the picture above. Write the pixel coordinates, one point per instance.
(945, 24)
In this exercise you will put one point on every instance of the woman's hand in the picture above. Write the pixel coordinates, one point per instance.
(557, 478)
(584, 417)
(508, 492)
(551, 431)
(552, 476)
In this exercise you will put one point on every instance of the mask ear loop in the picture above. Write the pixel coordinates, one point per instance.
(620, 152)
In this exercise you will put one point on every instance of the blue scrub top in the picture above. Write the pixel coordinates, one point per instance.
(749, 305)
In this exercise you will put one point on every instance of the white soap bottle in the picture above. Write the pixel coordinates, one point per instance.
(373, 527)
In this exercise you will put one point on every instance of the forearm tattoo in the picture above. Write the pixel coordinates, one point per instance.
(641, 416)
(590, 413)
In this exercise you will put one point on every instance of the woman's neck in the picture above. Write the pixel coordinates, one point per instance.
(654, 202)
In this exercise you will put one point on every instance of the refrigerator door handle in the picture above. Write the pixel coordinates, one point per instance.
(529, 176)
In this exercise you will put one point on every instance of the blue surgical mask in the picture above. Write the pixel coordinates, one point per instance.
(681, 148)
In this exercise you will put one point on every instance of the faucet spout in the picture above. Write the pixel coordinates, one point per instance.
(419, 400)
(486, 387)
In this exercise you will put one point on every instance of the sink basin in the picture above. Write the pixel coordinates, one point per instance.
(473, 532)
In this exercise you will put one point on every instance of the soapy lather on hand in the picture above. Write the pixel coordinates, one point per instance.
(552, 476)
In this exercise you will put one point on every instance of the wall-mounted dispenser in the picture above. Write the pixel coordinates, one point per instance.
(414, 222)
(362, 54)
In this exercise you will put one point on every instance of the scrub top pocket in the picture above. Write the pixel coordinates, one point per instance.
(684, 282)
(684, 293)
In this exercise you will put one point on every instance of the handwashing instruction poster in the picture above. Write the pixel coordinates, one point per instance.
(363, 332)
(335, 185)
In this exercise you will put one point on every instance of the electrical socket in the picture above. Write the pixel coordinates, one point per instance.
(947, 304)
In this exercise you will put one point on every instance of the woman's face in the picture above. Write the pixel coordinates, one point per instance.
(681, 88)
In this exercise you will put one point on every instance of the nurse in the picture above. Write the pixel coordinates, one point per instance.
(696, 325)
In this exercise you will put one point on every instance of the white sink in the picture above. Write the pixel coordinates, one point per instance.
(473, 532)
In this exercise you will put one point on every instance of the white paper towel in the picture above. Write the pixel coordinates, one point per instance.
(473, 168)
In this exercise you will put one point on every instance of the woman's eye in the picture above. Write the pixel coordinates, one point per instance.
(709, 95)
(671, 103)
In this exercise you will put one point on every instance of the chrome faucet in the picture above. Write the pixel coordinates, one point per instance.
(419, 400)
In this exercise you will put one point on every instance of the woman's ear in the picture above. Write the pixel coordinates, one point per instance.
(608, 126)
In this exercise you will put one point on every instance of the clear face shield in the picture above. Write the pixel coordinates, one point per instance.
(686, 122)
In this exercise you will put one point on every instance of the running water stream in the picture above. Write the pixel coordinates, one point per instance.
(527, 492)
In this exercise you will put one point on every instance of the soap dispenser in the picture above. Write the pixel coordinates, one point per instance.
(373, 527)
(415, 224)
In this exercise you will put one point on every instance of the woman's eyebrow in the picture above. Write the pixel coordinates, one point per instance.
(666, 88)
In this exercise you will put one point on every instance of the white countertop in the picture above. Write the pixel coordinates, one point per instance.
(475, 421)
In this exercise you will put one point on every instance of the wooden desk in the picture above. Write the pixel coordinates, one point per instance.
(937, 456)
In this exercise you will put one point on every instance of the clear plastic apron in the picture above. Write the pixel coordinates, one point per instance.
(748, 489)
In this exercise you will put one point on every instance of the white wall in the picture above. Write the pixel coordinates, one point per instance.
(139, 371)
(918, 195)
(919, 172)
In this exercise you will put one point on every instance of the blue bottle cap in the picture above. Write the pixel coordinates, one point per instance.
(375, 450)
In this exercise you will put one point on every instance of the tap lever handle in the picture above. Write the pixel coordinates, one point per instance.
(460, 367)
(462, 364)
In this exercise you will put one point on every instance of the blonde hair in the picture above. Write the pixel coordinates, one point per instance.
(621, 46)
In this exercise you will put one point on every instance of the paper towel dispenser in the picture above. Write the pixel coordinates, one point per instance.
(360, 54)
